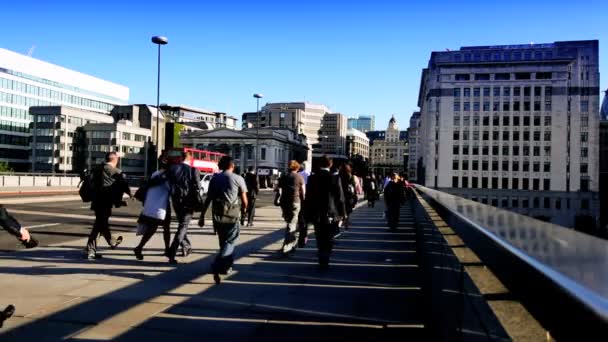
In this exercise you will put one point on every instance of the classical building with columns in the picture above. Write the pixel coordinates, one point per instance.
(389, 153)
(276, 147)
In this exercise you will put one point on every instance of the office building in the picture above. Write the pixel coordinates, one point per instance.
(390, 153)
(128, 140)
(516, 127)
(357, 144)
(27, 82)
(303, 117)
(332, 137)
(413, 147)
(203, 118)
(604, 166)
(363, 123)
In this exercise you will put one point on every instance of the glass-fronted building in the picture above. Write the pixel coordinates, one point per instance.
(26, 82)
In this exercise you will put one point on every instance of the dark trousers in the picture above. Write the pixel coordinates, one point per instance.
(324, 233)
(100, 227)
(227, 234)
(392, 215)
(250, 208)
(183, 220)
(302, 229)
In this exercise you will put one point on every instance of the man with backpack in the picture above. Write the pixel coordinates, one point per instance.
(106, 186)
(225, 190)
(185, 195)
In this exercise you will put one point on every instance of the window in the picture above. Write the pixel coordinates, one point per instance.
(536, 135)
(456, 135)
(526, 121)
(526, 167)
(584, 184)
(547, 167)
(547, 151)
(517, 91)
(584, 152)
(526, 184)
(536, 106)
(494, 182)
(484, 182)
(496, 91)
(456, 150)
(585, 106)
(547, 136)
(522, 75)
(486, 91)
(547, 203)
(475, 166)
(496, 106)
(536, 167)
(536, 184)
(584, 137)
(465, 182)
(476, 106)
(467, 106)
(505, 164)
(547, 121)
(584, 168)
(475, 183)
(506, 91)
(543, 75)
(538, 91)
(585, 204)
(486, 106)
(455, 165)
(516, 121)
(505, 183)
(584, 121)
(502, 77)
(505, 136)
(456, 92)
(456, 106)
(527, 106)
(515, 183)
(484, 167)
(546, 184)
(505, 121)
(482, 77)
(505, 150)
(516, 106)
(516, 150)
(526, 91)
(457, 121)
(494, 165)
(476, 92)
(485, 150)
(454, 182)
(263, 153)
(463, 77)
(476, 150)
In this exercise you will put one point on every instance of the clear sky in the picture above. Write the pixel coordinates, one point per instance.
(357, 57)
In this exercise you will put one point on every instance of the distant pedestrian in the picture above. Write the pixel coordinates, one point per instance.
(325, 208)
(349, 187)
(156, 211)
(225, 191)
(185, 195)
(394, 196)
(371, 190)
(290, 195)
(253, 189)
(108, 186)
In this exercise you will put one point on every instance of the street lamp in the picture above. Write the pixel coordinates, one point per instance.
(257, 128)
(158, 40)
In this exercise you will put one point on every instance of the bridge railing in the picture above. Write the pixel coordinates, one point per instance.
(560, 275)
(29, 179)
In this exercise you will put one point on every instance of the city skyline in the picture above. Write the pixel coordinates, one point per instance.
(356, 58)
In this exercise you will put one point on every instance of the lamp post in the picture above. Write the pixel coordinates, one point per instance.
(257, 128)
(158, 40)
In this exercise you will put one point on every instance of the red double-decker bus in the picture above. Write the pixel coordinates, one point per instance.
(204, 161)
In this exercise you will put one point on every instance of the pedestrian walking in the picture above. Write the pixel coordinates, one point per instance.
(371, 190)
(302, 223)
(289, 196)
(253, 189)
(186, 198)
(108, 186)
(156, 211)
(225, 191)
(349, 187)
(394, 196)
(325, 208)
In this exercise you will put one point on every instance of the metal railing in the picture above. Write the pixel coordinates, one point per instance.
(560, 275)
(41, 180)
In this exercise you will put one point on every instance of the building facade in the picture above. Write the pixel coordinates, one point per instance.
(363, 123)
(604, 166)
(389, 154)
(276, 146)
(27, 82)
(515, 126)
(58, 141)
(204, 118)
(413, 159)
(357, 144)
(332, 137)
(302, 117)
(129, 141)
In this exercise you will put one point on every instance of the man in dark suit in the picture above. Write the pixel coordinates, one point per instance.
(325, 207)
(183, 175)
(108, 188)
(253, 188)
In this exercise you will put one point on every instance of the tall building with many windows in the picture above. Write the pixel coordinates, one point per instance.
(412, 168)
(363, 123)
(27, 82)
(516, 127)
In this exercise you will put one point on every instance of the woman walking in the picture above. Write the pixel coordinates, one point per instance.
(349, 187)
(290, 196)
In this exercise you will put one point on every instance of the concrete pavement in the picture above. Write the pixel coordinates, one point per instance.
(371, 290)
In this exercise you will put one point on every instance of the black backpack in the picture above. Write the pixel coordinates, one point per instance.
(86, 190)
(184, 191)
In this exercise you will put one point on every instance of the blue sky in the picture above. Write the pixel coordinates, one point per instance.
(358, 57)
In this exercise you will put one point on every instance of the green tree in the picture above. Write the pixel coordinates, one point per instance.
(5, 168)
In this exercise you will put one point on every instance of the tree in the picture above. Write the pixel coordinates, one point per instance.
(5, 168)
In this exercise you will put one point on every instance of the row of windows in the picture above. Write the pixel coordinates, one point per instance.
(133, 137)
(514, 55)
(485, 166)
(14, 126)
(501, 183)
(506, 120)
(12, 153)
(485, 150)
(7, 139)
(10, 112)
(54, 98)
(54, 84)
(506, 135)
(526, 106)
(506, 91)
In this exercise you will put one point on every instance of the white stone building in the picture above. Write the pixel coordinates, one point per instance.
(389, 154)
(357, 143)
(516, 127)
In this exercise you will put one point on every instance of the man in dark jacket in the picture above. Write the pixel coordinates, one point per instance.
(394, 196)
(326, 207)
(108, 188)
(253, 188)
(178, 175)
